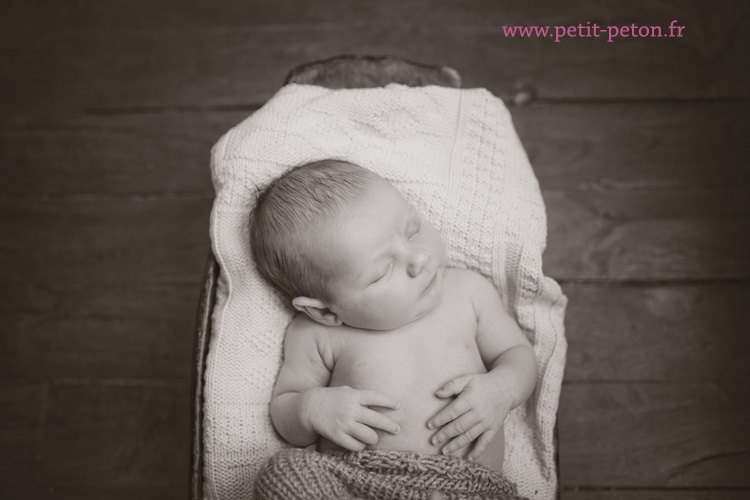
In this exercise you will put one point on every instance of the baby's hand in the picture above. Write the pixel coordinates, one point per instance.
(341, 414)
(477, 413)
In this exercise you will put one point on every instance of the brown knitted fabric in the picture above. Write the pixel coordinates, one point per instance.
(297, 474)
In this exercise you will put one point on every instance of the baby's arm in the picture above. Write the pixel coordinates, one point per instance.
(484, 400)
(303, 408)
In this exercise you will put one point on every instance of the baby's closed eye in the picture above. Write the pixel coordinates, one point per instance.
(384, 274)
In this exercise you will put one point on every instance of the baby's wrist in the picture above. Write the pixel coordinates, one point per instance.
(309, 406)
(506, 390)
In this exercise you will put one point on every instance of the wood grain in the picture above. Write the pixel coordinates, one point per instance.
(22, 407)
(655, 435)
(201, 345)
(352, 72)
(58, 331)
(117, 434)
(647, 235)
(609, 147)
(121, 153)
(687, 333)
(105, 241)
(116, 15)
(95, 491)
(205, 63)
(637, 146)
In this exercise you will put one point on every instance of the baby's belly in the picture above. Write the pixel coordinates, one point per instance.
(412, 416)
(413, 383)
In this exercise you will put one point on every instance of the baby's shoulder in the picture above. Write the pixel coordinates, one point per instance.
(305, 340)
(472, 285)
(302, 329)
(467, 280)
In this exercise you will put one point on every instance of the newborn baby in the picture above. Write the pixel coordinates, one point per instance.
(390, 349)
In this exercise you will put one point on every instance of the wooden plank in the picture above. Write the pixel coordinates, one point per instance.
(663, 494)
(194, 65)
(118, 435)
(597, 146)
(695, 333)
(648, 235)
(61, 331)
(121, 153)
(105, 241)
(636, 146)
(117, 15)
(21, 419)
(46, 490)
(655, 435)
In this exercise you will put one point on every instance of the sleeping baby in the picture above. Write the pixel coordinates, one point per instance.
(391, 351)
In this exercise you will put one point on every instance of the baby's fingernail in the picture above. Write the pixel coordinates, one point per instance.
(398, 429)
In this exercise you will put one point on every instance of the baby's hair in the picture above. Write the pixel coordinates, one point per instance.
(298, 201)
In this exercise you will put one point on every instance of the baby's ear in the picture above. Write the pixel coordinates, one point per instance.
(317, 310)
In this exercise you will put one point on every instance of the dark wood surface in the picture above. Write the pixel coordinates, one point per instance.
(108, 113)
(181, 56)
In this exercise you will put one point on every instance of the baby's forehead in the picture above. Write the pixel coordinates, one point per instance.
(377, 205)
(366, 224)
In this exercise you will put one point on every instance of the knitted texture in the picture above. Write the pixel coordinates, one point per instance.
(455, 155)
(377, 475)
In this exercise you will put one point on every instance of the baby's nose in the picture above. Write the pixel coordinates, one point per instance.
(417, 261)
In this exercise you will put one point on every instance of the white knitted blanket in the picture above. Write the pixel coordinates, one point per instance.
(456, 156)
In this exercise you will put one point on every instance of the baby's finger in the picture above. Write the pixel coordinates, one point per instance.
(457, 427)
(454, 386)
(451, 412)
(349, 442)
(376, 420)
(462, 440)
(375, 398)
(482, 443)
(364, 434)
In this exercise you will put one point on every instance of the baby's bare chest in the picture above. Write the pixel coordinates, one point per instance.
(419, 357)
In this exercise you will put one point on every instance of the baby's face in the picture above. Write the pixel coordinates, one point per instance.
(387, 261)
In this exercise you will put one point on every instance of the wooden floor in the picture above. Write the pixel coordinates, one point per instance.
(109, 109)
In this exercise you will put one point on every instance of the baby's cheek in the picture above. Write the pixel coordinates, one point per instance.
(397, 304)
